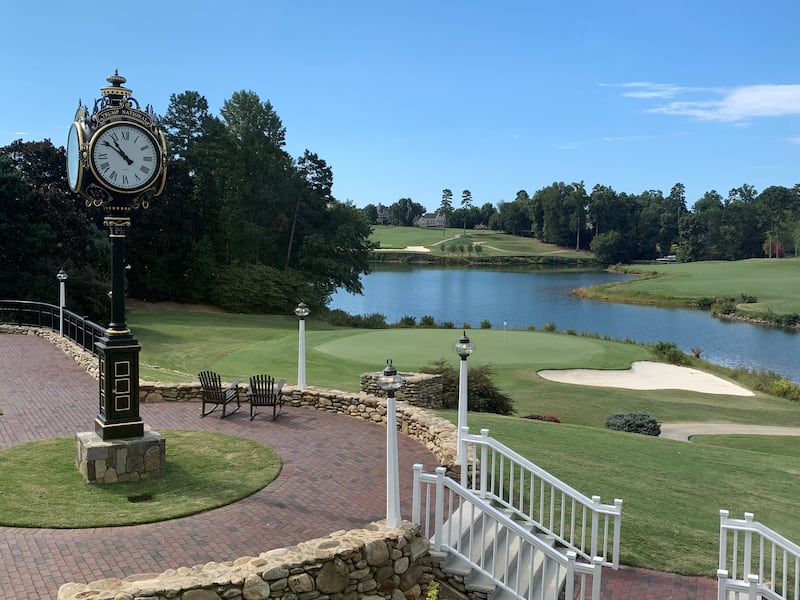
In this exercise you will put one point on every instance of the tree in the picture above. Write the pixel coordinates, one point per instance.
(259, 195)
(446, 207)
(184, 123)
(370, 213)
(466, 204)
(45, 227)
(405, 212)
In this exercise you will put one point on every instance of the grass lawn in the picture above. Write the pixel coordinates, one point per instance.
(493, 243)
(775, 283)
(40, 486)
(673, 491)
(181, 343)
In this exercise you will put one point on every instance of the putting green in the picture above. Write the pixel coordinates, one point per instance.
(412, 348)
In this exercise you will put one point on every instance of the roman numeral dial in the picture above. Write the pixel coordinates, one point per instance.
(125, 157)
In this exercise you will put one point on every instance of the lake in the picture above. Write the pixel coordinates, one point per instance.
(519, 299)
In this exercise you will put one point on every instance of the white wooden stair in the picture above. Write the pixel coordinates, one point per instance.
(500, 555)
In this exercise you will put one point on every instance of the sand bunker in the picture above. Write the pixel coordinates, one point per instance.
(649, 376)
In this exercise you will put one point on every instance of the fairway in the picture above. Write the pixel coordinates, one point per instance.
(413, 348)
(774, 283)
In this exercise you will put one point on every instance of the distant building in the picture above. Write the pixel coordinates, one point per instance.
(436, 219)
(383, 214)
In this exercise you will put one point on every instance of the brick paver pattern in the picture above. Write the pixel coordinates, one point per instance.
(333, 478)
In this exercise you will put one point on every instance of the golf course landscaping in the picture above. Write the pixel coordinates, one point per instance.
(672, 490)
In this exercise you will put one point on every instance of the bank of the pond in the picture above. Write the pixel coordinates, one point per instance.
(479, 261)
(709, 286)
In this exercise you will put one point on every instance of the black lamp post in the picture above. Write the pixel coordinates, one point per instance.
(390, 381)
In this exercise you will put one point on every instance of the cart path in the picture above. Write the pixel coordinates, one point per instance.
(684, 431)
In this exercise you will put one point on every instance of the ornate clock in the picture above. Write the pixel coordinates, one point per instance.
(125, 157)
(116, 156)
(116, 159)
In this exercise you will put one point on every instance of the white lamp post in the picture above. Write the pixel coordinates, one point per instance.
(389, 382)
(302, 312)
(62, 298)
(463, 348)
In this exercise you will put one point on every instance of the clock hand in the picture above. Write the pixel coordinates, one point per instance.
(122, 154)
(118, 150)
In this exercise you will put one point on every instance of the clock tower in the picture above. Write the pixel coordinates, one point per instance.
(116, 159)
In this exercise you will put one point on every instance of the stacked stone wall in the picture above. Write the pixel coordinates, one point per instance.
(419, 389)
(373, 563)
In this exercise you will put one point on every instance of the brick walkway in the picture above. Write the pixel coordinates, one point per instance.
(332, 478)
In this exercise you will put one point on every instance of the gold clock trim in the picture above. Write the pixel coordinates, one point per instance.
(160, 153)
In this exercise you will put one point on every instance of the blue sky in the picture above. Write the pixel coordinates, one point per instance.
(403, 99)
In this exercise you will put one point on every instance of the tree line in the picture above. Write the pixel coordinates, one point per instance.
(247, 227)
(241, 224)
(619, 227)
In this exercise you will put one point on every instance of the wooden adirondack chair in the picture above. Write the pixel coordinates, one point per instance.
(213, 392)
(265, 392)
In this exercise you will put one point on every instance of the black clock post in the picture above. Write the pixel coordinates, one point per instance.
(116, 160)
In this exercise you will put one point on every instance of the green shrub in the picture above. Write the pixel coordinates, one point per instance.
(340, 318)
(482, 394)
(669, 352)
(486, 324)
(249, 288)
(407, 321)
(447, 325)
(635, 422)
(427, 321)
(550, 326)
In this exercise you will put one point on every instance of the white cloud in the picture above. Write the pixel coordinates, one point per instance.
(626, 138)
(569, 146)
(729, 105)
(646, 89)
(794, 140)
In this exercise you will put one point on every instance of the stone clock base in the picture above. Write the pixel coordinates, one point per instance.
(127, 459)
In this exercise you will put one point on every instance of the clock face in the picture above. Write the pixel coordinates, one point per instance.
(125, 157)
(74, 142)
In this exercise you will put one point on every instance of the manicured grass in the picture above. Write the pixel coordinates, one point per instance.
(182, 343)
(764, 444)
(41, 486)
(773, 282)
(672, 491)
(493, 243)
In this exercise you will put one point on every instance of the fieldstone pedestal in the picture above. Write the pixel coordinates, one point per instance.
(127, 459)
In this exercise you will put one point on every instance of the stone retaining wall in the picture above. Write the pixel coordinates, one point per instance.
(373, 563)
(419, 389)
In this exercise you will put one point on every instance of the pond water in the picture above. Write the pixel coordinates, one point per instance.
(519, 299)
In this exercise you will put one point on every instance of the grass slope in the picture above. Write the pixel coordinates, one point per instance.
(775, 283)
(493, 243)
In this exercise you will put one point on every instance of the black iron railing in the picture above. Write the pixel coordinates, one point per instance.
(79, 329)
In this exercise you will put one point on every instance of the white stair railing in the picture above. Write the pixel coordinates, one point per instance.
(755, 561)
(461, 523)
(583, 524)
